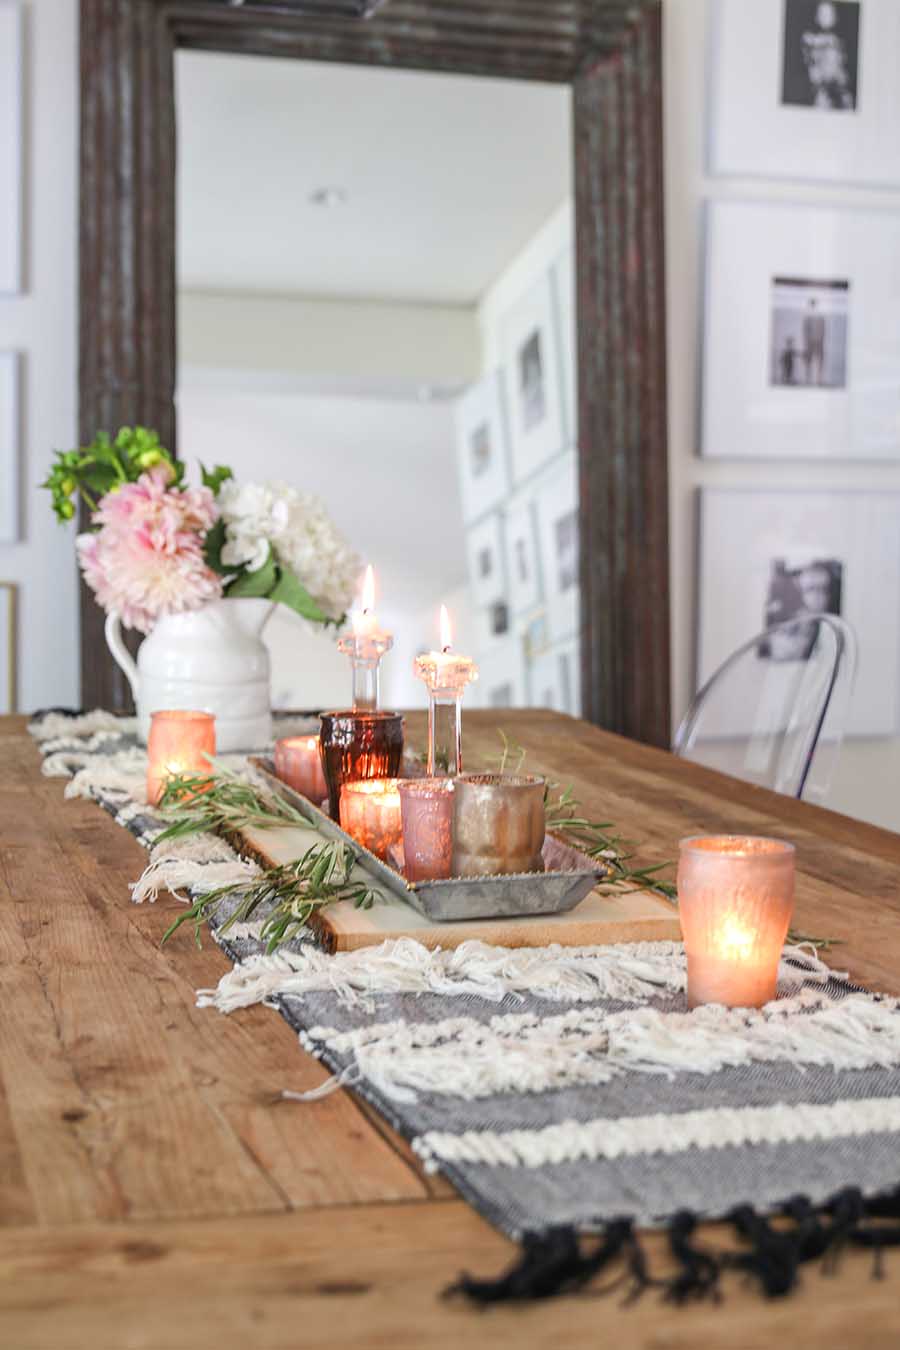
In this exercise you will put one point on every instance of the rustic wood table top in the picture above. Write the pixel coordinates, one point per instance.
(154, 1191)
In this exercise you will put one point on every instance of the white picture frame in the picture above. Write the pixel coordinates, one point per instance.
(9, 448)
(9, 597)
(557, 498)
(564, 290)
(767, 78)
(749, 537)
(501, 676)
(523, 564)
(11, 82)
(482, 448)
(554, 679)
(486, 562)
(531, 367)
(775, 273)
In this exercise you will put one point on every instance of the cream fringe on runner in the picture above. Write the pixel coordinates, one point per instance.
(630, 972)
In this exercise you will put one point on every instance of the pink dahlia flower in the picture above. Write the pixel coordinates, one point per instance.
(147, 558)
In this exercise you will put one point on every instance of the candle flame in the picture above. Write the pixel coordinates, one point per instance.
(734, 940)
(368, 590)
(446, 631)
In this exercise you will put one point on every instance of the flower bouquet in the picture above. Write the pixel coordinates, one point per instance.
(161, 547)
(193, 567)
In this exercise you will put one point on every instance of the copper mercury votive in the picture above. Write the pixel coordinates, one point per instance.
(370, 813)
(426, 806)
(178, 744)
(299, 764)
(498, 824)
(359, 744)
(735, 900)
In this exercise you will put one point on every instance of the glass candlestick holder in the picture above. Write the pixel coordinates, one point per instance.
(446, 677)
(365, 651)
(358, 744)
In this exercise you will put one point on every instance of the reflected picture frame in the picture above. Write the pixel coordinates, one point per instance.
(763, 553)
(9, 622)
(794, 98)
(523, 563)
(486, 561)
(10, 421)
(11, 141)
(554, 678)
(801, 347)
(532, 378)
(557, 496)
(482, 448)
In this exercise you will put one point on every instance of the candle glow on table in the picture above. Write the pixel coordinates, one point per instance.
(446, 677)
(178, 744)
(426, 809)
(299, 764)
(365, 648)
(370, 813)
(735, 900)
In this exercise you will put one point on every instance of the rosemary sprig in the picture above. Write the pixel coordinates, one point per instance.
(596, 840)
(296, 890)
(223, 803)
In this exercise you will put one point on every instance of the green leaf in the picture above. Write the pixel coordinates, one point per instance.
(261, 582)
(215, 477)
(212, 548)
(290, 591)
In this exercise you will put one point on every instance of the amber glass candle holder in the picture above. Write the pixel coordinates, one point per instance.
(299, 764)
(356, 745)
(370, 813)
(498, 824)
(735, 900)
(179, 743)
(426, 808)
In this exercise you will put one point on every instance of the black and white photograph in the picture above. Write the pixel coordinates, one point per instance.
(793, 555)
(486, 562)
(809, 333)
(482, 448)
(522, 563)
(821, 54)
(499, 618)
(797, 593)
(557, 497)
(566, 532)
(531, 382)
(805, 90)
(532, 364)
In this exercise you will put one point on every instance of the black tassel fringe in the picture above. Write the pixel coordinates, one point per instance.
(559, 1261)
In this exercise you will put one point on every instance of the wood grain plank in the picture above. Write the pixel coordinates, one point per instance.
(373, 1276)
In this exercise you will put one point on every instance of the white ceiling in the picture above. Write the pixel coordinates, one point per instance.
(446, 177)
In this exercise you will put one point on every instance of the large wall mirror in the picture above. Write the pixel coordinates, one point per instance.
(410, 263)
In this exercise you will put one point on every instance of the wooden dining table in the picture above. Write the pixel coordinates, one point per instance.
(156, 1190)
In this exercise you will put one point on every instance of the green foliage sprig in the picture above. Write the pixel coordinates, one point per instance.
(221, 802)
(296, 891)
(104, 465)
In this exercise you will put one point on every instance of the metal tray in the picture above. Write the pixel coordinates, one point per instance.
(570, 874)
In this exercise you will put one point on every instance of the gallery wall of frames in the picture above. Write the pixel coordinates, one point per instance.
(519, 484)
(801, 340)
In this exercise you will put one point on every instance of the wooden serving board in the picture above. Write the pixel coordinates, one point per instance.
(641, 916)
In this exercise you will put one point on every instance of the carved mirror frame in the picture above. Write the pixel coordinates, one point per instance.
(609, 51)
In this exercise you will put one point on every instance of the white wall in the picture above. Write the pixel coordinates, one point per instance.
(386, 471)
(865, 784)
(41, 323)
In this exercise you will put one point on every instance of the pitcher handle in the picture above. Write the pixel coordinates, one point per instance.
(120, 653)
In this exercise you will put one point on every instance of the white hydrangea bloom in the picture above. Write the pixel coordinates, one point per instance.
(301, 534)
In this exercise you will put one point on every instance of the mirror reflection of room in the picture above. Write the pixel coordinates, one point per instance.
(375, 274)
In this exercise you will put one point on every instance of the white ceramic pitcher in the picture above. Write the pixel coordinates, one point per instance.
(212, 659)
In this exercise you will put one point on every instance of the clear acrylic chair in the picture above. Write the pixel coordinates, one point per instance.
(774, 713)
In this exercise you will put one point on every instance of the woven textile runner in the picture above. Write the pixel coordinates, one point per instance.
(567, 1092)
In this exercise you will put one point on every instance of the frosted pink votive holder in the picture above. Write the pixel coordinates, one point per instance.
(426, 809)
(299, 764)
(735, 900)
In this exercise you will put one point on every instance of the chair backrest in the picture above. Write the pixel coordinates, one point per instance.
(774, 713)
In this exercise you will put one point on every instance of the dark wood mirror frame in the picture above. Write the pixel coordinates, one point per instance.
(609, 51)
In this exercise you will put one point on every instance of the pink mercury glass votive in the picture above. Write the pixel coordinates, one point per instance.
(181, 743)
(299, 764)
(426, 808)
(735, 900)
(370, 812)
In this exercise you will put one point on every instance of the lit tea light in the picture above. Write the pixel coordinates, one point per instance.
(370, 813)
(426, 809)
(735, 900)
(366, 647)
(180, 743)
(446, 677)
(299, 764)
